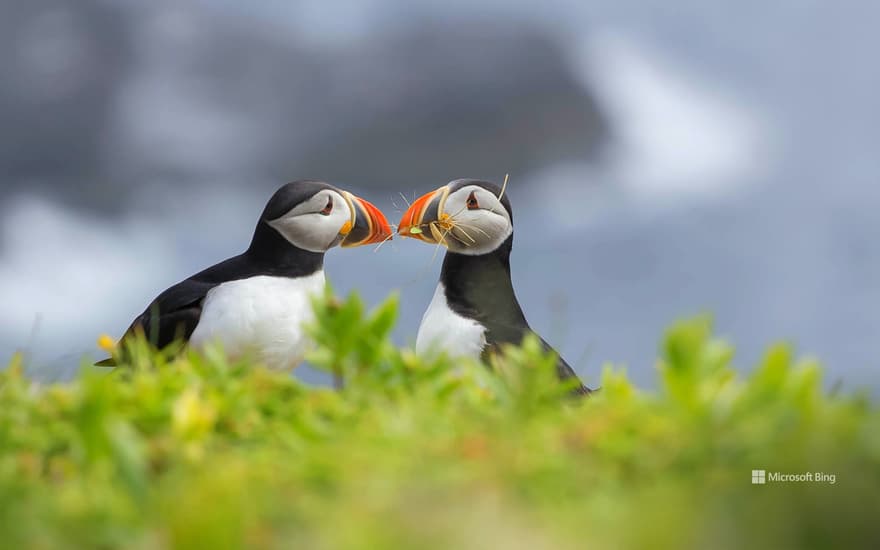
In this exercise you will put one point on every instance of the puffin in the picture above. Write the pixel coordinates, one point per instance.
(256, 303)
(474, 309)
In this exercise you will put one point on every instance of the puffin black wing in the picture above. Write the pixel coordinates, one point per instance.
(173, 315)
(565, 372)
(498, 334)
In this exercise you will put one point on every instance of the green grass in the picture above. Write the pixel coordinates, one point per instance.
(200, 452)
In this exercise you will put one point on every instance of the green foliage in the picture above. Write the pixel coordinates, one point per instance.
(198, 451)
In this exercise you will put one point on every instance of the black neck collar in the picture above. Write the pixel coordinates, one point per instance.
(479, 287)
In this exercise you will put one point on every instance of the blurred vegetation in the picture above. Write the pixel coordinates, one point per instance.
(202, 452)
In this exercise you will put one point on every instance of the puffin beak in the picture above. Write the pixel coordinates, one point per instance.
(420, 219)
(368, 224)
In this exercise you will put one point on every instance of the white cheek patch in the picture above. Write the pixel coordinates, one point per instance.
(305, 227)
(481, 230)
(302, 231)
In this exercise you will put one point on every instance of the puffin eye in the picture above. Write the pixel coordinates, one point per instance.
(472, 203)
(329, 208)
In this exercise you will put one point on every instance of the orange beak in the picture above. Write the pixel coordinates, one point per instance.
(368, 224)
(416, 221)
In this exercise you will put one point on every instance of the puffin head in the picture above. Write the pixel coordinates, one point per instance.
(466, 216)
(316, 216)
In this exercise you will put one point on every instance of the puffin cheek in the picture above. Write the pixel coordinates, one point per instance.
(317, 235)
(480, 228)
(486, 232)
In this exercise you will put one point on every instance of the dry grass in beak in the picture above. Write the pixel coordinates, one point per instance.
(503, 186)
(388, 238)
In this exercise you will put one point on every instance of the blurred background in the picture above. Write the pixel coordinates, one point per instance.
(665, 159)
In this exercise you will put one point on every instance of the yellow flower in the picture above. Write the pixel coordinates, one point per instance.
(106, 343)
(193, 416)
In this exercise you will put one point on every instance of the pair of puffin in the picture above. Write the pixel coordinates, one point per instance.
(257, 302)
